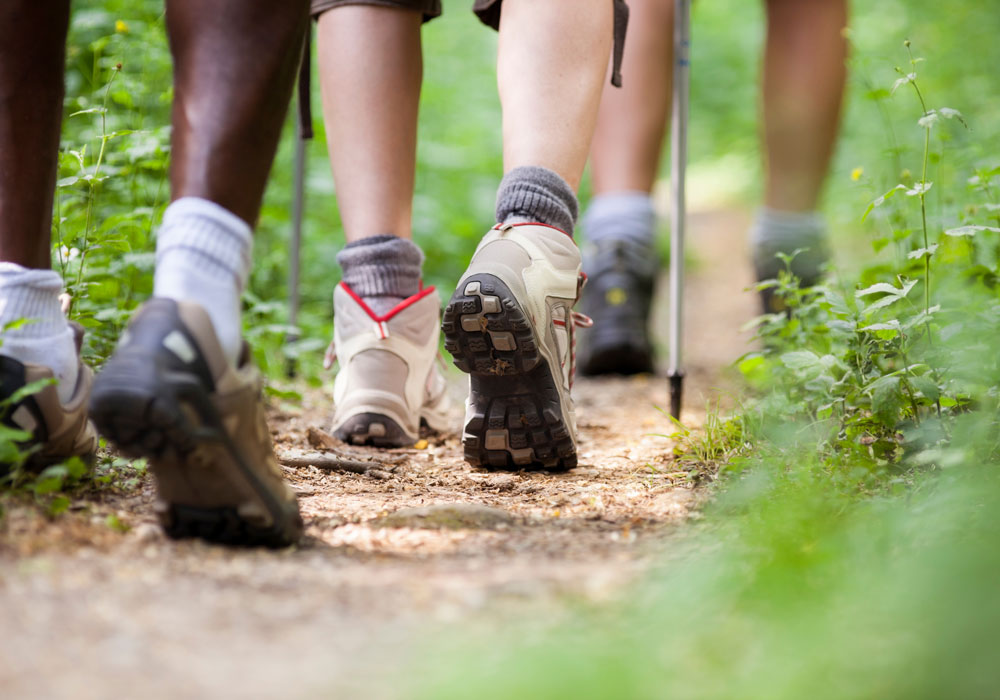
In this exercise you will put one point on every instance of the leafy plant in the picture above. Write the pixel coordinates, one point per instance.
(871, 367)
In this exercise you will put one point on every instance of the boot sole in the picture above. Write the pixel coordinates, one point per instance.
(372, 430)
(516, 420)
(171, 420)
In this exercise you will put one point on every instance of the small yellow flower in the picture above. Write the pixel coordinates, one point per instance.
(121, 27)
(857, 173)
(420, 445)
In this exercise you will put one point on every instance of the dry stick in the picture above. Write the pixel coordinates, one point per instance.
(328, 462)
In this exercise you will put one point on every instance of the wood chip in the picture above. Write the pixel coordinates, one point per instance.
(322, 441)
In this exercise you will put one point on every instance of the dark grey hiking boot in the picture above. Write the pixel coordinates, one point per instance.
(776, 232)
(511, 326)
(58, 431)
(170, 394)
(618, 296)
(807, 267)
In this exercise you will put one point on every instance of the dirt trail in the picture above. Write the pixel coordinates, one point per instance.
(87, 611)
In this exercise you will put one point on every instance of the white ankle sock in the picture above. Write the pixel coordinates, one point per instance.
(203, 255)
(47, 340)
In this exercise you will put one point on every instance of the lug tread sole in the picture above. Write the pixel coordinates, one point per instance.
(372, 430)
(516, 420)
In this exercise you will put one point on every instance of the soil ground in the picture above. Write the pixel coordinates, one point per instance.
(88, 610)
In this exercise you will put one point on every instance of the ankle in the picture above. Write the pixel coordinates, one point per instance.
(45, 338)
(531, 194)
(382, 270)
(626, 216)
(785, 231)
(203, 255)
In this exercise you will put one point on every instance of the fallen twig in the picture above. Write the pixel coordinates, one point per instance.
(328, 462)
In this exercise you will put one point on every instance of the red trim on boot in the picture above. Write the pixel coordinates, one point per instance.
(406, 303)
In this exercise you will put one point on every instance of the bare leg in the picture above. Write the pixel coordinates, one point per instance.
(620, 224)
(371, 68)
(234, 66)
(804, 75)
(553, 58)
(631, 123)
(32, 54)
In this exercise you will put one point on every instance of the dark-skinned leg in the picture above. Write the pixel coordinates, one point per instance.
(178, 390)
(234, 66)
(32, 54)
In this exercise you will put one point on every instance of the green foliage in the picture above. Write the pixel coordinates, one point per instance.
(113, 164)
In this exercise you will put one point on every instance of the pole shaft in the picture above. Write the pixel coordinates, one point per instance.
(678, 164)
(295, 240)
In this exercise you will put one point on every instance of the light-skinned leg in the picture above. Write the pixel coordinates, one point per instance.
(509, 323)
(620, 224)
(802, 89)
(371, 68)
(803, 83)
(628, 140)
(551, 68)
(803, 86)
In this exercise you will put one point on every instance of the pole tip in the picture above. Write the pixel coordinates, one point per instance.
(676, 393)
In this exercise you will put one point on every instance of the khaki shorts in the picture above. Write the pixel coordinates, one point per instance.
(488, 10)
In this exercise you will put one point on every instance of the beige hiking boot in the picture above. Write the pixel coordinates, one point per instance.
(170, 394)
(58, 431)
(388, 383)
(511, 326)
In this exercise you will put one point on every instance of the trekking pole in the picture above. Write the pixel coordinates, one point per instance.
(678, 214)
(303, 131)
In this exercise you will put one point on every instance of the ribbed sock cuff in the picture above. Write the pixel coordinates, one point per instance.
(31, 294)
(213, 238)
(621, 216)
(534, 194)
(382, 266)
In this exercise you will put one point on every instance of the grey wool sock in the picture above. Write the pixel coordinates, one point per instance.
(531, 194)
(621, 216)
(775, 231)
(382, 270)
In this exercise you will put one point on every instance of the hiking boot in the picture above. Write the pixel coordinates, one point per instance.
(619, 293)
(58, 431)
(169, 393)
(806, 267)
(388, 383)
(510, 325)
